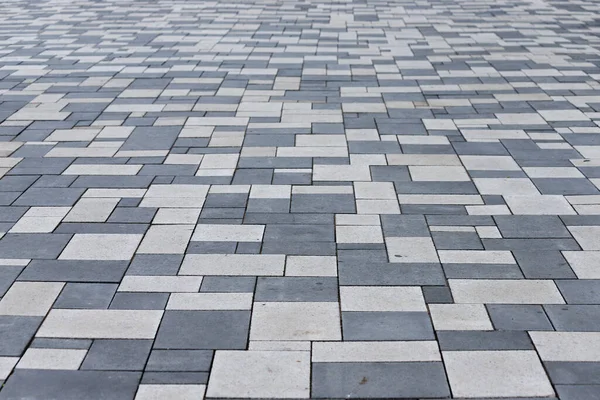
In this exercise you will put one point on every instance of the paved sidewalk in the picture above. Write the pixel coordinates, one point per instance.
(299, 199)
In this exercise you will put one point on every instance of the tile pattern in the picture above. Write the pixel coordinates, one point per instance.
(299, 199)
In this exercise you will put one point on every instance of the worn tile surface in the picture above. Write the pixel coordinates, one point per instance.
(299, 199)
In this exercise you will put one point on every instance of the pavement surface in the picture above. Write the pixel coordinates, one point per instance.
(299, 199)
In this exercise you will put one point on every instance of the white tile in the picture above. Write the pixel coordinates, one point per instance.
(101, 324)
(505, 291)
(228, 233)
(260, 374)
(496, 374)
(68, 359)
(6, 366)
(411, 250)
(353, 219)
(553, 172)
(358, 234)
(563, 115)
(505, 186)
(164, 284)
(295, 321)
(488, 232)
(233, 264)
(177, 216)
(177, 191)
(461, 317)
(375, 351)
(311, 266)
(92, 246)
(377, 207)
(271, 192)
(30, 298)
(35, 224)
(375, 190)
(382, 298)
(92, 210)
(588, 237)
(170, 391)
(585, 264)
(539, 205)
(102, 169)
(166, 239)
(210, 301)
(520, 119)
(567, 346)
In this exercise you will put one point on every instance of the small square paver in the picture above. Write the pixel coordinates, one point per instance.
(496, 374)
(260, 374)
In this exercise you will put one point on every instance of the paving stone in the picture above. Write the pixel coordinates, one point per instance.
(567, 346)
(101, 247)
(459, 317)
(386, 326)
(505, 291)
(509, 317)
(295, 321)
(203, 330)
(379, 380)
(30, 298)
(86, 295)
(498, 374)
(388, 298)
(33, 245)
(571, 392)
(484, 340)
(408, 351)
(101, 324)
(573, 373)
(580, 291)
(16, 332)
(183, 392)
(71, 385)
(581, 318)
(531, 227)
(543, 265)
(139, 301)
(260, 374)
(180, 360)
(295, 289)
(228, 284)
(119, 355)
(62, 359)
